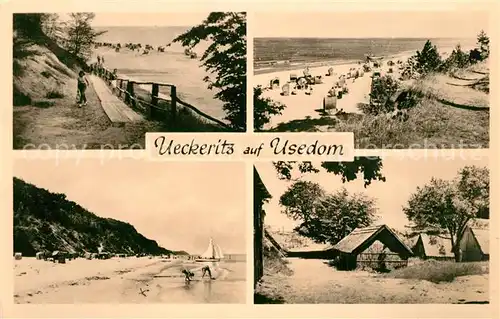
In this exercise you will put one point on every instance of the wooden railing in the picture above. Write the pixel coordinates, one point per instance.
(159, 101)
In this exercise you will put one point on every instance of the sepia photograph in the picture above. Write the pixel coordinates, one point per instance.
(129, 231)
(396, 79)
(382, 230)
(87, 80)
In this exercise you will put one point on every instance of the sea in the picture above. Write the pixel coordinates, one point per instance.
(268, 51)
(171, 66)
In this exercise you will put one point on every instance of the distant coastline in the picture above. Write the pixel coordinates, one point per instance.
(286, 54)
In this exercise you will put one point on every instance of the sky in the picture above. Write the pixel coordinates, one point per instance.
(149, 19)
(146, 19)
(180, 205)
(403, 176)
(381, 24)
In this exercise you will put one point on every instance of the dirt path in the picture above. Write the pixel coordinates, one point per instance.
(64, 125)
(128, 281)
(313, 281)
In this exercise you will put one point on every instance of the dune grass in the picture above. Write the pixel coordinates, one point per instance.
(446, 116)
(440, 271)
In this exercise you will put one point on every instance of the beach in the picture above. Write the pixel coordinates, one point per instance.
(126, 280)
(172, 66)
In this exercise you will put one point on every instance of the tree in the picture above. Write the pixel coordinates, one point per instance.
(326, 218)
(263, 109)
(457, 59)
(444, 208)
(53, 27)
(484, 44)
(428, 60)
(226, 58)
(80, 35)
(370, 167)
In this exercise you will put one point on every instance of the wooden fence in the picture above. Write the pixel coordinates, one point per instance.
(158, 101)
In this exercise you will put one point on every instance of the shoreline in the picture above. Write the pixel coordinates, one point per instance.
(317, 63)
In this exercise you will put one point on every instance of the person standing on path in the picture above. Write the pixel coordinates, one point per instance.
(83, 83)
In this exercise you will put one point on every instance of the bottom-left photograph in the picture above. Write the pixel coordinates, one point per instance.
(128, 231)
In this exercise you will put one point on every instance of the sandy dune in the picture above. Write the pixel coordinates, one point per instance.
(126, 280)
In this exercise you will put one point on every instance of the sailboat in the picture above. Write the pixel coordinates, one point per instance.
(213, 253)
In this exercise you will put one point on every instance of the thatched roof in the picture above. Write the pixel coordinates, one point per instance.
(436, 246)
(362, 238)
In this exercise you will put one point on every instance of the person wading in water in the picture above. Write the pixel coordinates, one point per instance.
(187, 275)
(206, 270)
(83, 83)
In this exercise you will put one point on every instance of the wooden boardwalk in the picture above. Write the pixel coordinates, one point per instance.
(116, 110)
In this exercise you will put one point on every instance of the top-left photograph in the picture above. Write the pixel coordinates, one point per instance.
(89, 80)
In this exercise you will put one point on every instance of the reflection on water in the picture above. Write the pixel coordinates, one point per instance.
(228, 285)
(207, 285)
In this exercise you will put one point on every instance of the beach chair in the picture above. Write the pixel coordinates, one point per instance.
(285, 90)
(329, 103)
(275, 83)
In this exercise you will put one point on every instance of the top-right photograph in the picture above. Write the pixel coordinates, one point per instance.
(395, 79)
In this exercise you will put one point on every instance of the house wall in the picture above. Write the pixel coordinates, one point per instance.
(471, 251)
(321, 254)
(418, 249)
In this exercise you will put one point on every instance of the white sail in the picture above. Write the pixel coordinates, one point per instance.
(209, 253)
(213, 251)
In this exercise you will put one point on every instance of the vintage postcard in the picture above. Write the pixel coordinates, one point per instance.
(396, 79)
(142, 177)
(89, 233)
(102, 80)
(402, 231)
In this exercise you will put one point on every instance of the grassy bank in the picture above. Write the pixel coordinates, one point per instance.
(439, 271)
(451, 111)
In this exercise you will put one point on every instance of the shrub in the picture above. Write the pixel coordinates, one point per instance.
(440, 271)
(428, 60)
(46, 74)
(382, 89)
(20, 98)
(457, 59)
(54, 95)
(43, 104)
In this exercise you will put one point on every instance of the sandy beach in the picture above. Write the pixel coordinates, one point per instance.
(315, 282)
(126, 280)
(303, 106)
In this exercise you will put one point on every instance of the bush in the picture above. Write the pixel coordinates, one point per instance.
(20, 98)
(457, 59)
(54, 95)
(46, 74)
(382, 89)
(439, 271)
(43, 104)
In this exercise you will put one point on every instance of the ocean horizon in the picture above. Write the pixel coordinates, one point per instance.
(171, 66)
(268, 50)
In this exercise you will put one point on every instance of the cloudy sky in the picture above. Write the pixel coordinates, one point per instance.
(149, 19)
(180, 205)
(365, 24)
(403, 176)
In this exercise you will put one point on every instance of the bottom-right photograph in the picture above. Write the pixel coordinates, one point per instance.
(379, 230)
